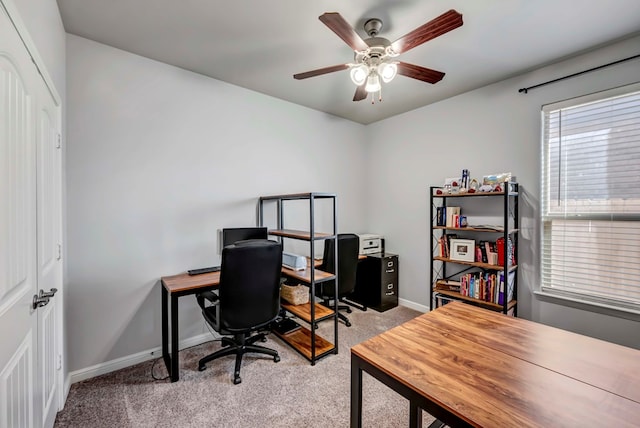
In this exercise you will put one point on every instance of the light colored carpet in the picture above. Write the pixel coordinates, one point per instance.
(291, 393)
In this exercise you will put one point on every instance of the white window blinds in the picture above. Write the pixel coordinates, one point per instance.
(591, 198)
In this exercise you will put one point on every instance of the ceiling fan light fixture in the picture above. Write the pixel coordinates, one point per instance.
(373, 82)
(387, 70)
(359, 74)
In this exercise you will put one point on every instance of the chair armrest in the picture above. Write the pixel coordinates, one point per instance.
(207, 295)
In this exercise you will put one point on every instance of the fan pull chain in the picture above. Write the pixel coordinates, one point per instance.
(373, 100)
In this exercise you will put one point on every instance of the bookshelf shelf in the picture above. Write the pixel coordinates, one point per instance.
(475, 280)
(481, 265)
(488, 305)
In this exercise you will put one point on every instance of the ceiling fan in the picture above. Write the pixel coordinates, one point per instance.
(374, 58)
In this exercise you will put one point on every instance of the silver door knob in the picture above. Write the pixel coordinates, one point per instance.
(39, 302)
(49, 293)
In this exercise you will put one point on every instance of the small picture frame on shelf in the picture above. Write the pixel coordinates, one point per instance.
(463, 250)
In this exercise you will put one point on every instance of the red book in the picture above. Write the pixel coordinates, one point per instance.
(500, 250)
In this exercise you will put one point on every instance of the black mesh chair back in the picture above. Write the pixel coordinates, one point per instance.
(250, 284)
(348, 248)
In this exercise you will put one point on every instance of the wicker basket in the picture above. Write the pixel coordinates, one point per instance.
(295, 294)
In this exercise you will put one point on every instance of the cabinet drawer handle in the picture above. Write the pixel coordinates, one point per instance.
(390, 270)
(389, 293)
(389, 286)
(389, 264)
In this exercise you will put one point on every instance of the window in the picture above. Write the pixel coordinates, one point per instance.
(591, 199)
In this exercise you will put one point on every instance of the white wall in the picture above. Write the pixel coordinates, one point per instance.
(490, 130)
(159, 159)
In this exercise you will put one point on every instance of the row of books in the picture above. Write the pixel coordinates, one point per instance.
(448, 216)
(488, 287)
(511, 254)
(443, 244)
(485, 251)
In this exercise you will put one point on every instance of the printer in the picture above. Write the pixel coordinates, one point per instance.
(294, 261)
(370, 243)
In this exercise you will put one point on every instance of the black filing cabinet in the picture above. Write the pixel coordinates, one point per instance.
(377, 282)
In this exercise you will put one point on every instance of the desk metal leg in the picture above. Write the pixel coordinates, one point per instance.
(415, 415)
(165, 330)
(175, 371)
(356, 393)
(170, 359)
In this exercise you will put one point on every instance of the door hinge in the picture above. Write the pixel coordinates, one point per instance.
(59, 141)
(59, 255)
(59, 362)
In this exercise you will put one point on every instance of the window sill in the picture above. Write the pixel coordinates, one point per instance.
(585, 305)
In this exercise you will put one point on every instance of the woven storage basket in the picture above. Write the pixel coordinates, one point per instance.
(295, 294)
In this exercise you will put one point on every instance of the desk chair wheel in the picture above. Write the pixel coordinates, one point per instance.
(276, 359)
(202, 368)
(263, 339)
(347, 323)
(349, 310)
(236, 378)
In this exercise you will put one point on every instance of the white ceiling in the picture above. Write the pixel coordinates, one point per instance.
(260, 44)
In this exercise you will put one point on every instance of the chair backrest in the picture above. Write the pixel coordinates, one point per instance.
(348, 248)
(250, 284)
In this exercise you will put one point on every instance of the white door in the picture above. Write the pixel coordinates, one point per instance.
(28, 335)
(48, 230)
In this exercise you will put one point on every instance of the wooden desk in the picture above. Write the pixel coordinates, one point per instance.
(177, 286)
(472, 367)
(183, 285)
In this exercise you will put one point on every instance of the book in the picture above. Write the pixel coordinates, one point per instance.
(489, 227)
(451, 211)
(483, 252)
(506, 289)
(449, 285)
(500, 250)
(510, 252)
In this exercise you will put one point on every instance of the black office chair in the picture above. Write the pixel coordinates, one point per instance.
(248, 299)
(348, 248)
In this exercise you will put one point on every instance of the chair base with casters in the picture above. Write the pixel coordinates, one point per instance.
(239, 345)
(341, 316)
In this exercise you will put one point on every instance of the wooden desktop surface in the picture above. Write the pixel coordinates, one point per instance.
(492, 370)
(184, 281)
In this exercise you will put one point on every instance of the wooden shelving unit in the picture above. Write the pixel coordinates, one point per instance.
(441, 275)
(305, 340)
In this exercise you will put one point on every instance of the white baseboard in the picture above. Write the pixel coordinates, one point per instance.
(140, 357)
(412, 305)
(130, 360)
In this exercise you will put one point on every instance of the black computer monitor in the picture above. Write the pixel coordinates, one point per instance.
(235, 234)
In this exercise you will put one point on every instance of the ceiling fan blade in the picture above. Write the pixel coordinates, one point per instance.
(443, 24)
(360, 94)
(320, 71)
(420, 73)
(338, 25)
